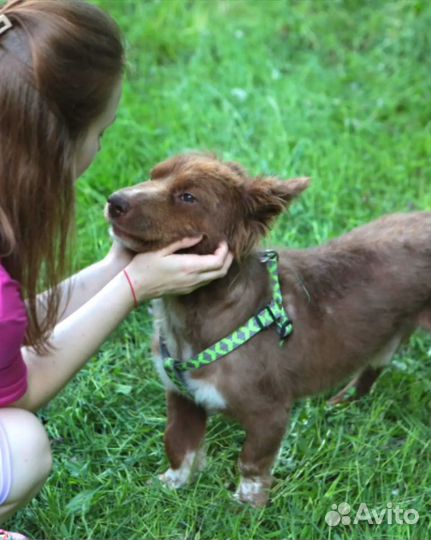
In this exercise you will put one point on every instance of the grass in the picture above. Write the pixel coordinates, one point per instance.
(338, 90)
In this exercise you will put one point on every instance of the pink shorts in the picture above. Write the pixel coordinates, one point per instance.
(5, 466)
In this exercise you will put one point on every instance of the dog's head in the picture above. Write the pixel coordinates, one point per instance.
(197, 194)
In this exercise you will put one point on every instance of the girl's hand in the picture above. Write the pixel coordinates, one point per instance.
(165, 272)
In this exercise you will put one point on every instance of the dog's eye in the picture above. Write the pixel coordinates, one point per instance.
(187, 197)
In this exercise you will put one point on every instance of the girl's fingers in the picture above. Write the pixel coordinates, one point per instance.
(199, 263)
(217, 273)
(181, 244)
(214, 262)
(220, 255)
(227, 262)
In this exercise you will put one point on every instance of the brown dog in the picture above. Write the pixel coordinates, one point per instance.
(351, 302)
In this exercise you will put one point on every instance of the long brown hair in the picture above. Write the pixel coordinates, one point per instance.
(59, 64)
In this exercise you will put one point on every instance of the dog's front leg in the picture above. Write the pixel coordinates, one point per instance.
(183, 437)
(264, 433)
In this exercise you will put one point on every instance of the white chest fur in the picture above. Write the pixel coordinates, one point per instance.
(170, 327)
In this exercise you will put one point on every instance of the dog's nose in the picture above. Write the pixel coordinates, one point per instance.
(118, 205)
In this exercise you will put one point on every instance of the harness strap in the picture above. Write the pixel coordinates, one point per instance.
(273, 313)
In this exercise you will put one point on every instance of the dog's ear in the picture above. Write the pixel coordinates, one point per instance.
(266, 198)
(263, 200)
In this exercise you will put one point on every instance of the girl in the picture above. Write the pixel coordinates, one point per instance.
(61, 65)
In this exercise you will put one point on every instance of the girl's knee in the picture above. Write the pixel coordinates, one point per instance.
(29, 452)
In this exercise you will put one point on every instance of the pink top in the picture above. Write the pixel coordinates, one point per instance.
(13, 324)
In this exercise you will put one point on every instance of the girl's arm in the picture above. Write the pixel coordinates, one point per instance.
(79, 288)
(77, 337)
(74, 340)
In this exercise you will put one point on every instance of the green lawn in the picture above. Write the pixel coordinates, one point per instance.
(338, 90)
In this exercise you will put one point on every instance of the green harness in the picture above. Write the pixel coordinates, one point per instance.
(273, 313)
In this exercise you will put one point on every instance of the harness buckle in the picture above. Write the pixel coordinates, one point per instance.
(269, 255)
(284, 329)
(5, 24)
(283, 326)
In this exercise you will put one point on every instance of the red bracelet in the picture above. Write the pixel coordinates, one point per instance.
(135, 300)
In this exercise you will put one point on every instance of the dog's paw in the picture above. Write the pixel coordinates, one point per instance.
(173, 478)
(252, 491)
(176, 478)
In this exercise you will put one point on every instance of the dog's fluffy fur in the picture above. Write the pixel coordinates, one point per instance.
(352, 301)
